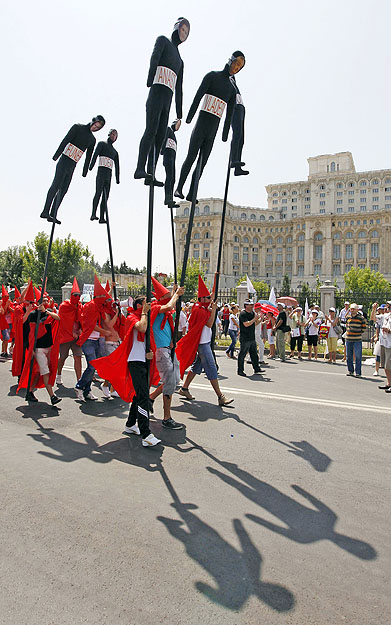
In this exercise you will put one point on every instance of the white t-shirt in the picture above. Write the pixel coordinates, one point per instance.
(332, 332)
(182, 322)
(313, 327)
(137, 353)
(94, 335)
(206, 335)
(232, 325)
(384, 321)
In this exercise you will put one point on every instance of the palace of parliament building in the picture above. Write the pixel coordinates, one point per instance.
(335, 220)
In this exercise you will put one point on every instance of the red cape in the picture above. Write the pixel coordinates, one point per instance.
(89, 318)
(69, 315)
(3, 322)
(17, 330)
(53, 360)
(187, 347)
(114, 368)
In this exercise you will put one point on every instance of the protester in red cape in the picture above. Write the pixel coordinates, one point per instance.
(5, 311)
(127, 370)
(112, 322)
(17, 301)
(45, 354)
(70, 328)
(162, 326)
(22, 328)
(91, 331)
(195, 346)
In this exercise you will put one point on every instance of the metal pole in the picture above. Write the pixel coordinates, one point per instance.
(173, 245)
(187, 245)
(110, 246)
(149, 252)
(44, 280)
(220, 250)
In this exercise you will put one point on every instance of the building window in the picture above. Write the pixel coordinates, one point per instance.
(253, 217)
(307, 206)
(279, 240)
(362, 266)
(294, 199)
(275, 201)
(283, 193)
(374, 250)
(301, 236)
(374, 233)
(375, 266)
(363, 183)
(339, 185)
(362, 234)
(196, 253)
(289, 239)
(255, 258)
(351, 209)
(245, 239)
(235, 256)
(322, 210)
(300, 252)
(349, 235)
(332, 166)
(322, 203)
(336, 252)
(294, 192)
(186, 211)
(339, 209)
(322, 186)
(318, 252)
(197, 210)
(349, 251)
(363, 192)
(350, 192)
(337, 235)
(269, 258)
(197, 235)
(363, 200)
(243, 216)
(284, 201)
(206, 235)
(322, 195)
(300, 270)
(255, 241)
(271, 218)
(245, 258)
(336, 270)
(289, 257)
(279, 258)
(375, 199)
(206, 254)
(339, 202)
(362, 250)
(262, 217)
(375, 207)
(363, 209)
(375, 182)
(317, 270)
(206, 210)
(318, 236)
(351, 200)
(350, 184)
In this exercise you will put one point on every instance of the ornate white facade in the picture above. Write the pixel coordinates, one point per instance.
(336, 219)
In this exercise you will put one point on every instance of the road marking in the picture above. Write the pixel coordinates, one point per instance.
(322, 372)
(300, 400)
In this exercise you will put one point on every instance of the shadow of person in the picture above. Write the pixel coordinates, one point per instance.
(40, 410)
(303, 524)
(236, 572)
(198, 410)
(107, 408)
(318, 460)
(12, 392)
(127, 449)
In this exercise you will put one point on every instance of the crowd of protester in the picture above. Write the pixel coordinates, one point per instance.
(39, 335)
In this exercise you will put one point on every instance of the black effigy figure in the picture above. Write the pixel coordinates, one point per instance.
(108, 158)
(169, 155)
(237, 125)
(164, 77)
(71, 149)
(218, 93)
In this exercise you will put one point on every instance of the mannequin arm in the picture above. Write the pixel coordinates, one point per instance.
(88, 158)
(202, 89)
(116, 165)
(179, 94)
(228, 116)
(96, 154)
(155, 58)
(67, 139)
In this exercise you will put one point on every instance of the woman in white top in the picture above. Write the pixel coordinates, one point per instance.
(331, 321)
(233, 331)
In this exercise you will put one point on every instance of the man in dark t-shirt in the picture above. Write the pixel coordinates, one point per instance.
(247, 322)
(279, 330)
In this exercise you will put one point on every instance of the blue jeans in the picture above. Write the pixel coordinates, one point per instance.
(231, 349)
(356, 347)
(205, 361)
(91, 349)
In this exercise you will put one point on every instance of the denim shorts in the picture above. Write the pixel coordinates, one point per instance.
(5, 334)
(205, 361)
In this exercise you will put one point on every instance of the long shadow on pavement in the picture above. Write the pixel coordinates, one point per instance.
(203, 411)
(301, 524)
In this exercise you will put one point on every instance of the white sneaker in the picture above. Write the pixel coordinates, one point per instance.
(105, 390)
(58, 379)
(150, 441)
(91, 396)
(114, 394)
(375, 373)
(133, 429)
(79, 394)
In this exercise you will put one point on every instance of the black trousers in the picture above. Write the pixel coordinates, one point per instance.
(169, 166)
(157, 110)
(60, 185)
(251, 347)
(103, 183)
(299, 340)
(139, 408)
(201, 141)
(225, 326)
(237, 134)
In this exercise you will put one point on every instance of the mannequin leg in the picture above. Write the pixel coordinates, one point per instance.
(205, 150)
(169, 165)
(97, 196)
(57, 183)
(194, 146)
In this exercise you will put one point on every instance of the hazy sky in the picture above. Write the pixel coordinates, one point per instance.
(316, 80)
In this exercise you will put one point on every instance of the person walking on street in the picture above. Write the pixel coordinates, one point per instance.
(297, 323)
(313, 325)
(233, 331)
(384, 322)
(247, 321)
(355, 328)
(280, 329)
(332, 321)
(342, 320)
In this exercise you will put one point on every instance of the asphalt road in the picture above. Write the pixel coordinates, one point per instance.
(274, 510)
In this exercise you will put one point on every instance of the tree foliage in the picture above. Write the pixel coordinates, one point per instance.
(194, 267)
(11, 265)
(286, 286)
(262, 288)
(364, 280)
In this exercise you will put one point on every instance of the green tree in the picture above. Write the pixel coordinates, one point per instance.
(67, 259)
(305, 294)
(262, 288)
(11, 266)
(286, 286)
(364, 280)
(194, 267)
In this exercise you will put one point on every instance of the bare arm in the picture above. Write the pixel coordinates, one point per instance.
(141, 325)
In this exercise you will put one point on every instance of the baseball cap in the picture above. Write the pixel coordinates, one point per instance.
(331, 309)
(346, 303)
(248, 302)
(354, 306)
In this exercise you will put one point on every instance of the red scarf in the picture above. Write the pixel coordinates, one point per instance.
(155, 311)
(69, 312)
(187, 347)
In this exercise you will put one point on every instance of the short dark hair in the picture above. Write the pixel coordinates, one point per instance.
(138, 301)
